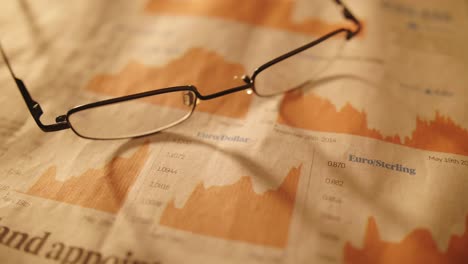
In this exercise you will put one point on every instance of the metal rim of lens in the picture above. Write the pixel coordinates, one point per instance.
(85, 107)
(274, 93)
(273, 62)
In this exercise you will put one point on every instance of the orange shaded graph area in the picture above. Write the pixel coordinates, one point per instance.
(103, 189)
(236, 212)
(266, 13)
(207, 70)
(315, 113)
(417, 247)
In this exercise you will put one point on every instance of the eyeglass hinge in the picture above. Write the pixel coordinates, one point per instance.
(37, 109)
(61, 119)
(246, 79)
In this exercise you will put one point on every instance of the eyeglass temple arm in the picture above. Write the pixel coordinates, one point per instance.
(33, 106)
(350, 16)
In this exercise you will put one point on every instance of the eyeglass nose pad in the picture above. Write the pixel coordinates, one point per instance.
(189, 98)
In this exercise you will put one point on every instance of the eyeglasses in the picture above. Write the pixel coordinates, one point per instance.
(150, 112)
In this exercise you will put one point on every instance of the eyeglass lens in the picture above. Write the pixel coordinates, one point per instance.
(300, 69)
(135, 117)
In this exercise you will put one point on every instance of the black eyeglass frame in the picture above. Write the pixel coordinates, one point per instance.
(62, 121)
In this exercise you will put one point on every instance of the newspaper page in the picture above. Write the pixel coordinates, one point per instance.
(365, 163)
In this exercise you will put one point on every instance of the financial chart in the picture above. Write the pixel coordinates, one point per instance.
(366, 163)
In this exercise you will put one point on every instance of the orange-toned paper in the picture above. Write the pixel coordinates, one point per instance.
(416, 247)
(365, 162)
(225, 217)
